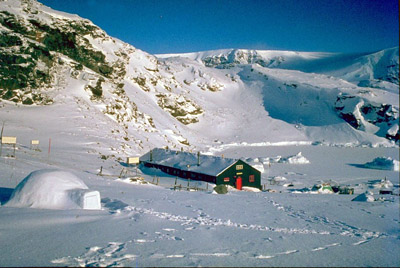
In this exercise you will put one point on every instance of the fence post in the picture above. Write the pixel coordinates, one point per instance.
(48, 153)
(1, 137)
(101, 171)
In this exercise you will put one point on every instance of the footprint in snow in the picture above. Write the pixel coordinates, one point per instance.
(276, 255)
(114, 205)
(169, 230)
(326, 247)
(168, 236)
(140, 241)
(108, 256)
(211, 254)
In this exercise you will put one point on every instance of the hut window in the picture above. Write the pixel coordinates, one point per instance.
(251, 178)
(226, 179)
(239, 167)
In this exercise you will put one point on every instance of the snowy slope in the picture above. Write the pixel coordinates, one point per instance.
(304, 89)
(194, 99)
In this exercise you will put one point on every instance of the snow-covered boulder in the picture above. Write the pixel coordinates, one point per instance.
(295, 159)
(385, 163)
(364, 197)
(54, 189)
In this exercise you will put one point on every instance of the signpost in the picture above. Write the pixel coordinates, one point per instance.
(34, 144)
(8, 140)
(133, 161)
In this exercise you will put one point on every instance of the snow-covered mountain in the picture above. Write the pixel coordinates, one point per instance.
(382, 66)
(195, 100)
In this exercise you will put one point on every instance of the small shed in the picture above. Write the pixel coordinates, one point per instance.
(218, 170)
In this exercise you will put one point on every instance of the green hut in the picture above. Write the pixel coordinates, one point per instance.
(218, 170)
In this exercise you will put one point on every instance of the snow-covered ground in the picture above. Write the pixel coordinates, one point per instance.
(149, 225)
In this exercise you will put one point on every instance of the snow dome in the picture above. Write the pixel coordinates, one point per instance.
(54, 189)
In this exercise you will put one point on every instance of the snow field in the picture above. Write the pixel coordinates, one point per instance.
(147, 225)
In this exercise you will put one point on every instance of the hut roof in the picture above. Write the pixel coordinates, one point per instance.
(209, 165)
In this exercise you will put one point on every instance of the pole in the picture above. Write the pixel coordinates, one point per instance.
(2, 128)
(1, 138)
(48, 153)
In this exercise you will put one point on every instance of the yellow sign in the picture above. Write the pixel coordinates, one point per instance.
(35, 142)
(8, 140)
(239, 167)
(132, 160)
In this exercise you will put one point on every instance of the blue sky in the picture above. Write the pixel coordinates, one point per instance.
(166, 26)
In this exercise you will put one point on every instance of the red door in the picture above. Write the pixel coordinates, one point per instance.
(239, 183)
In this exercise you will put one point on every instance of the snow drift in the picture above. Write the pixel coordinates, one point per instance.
(54, 189)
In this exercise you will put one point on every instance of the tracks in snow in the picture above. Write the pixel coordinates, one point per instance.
(108, 256)
(116, 206)
(113, 254)
(343, 228)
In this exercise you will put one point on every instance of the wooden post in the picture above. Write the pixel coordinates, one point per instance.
(2, 128)
(120, 175)
(48, 153)
(1, 136)
(188, 184)
(158, 180)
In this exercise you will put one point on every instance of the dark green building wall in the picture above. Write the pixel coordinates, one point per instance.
(243, 170)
